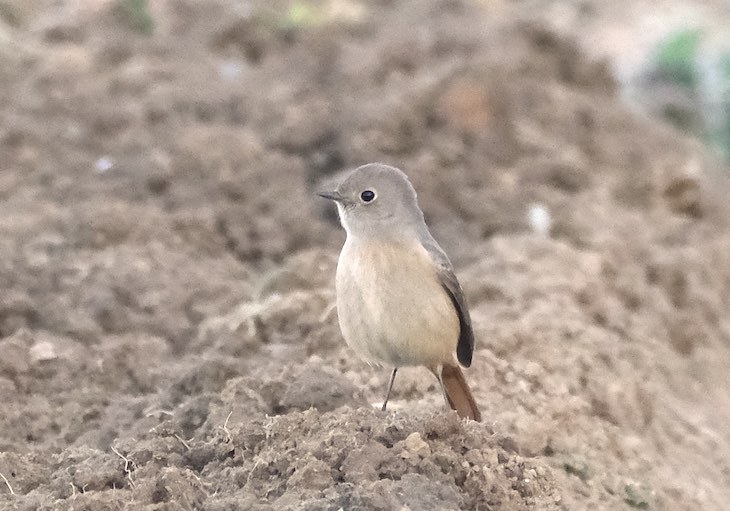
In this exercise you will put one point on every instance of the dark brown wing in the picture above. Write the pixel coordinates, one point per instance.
(465, 345)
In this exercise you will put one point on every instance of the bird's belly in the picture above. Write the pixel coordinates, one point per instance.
(392, 307)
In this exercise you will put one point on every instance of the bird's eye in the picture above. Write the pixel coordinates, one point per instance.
(367, 195)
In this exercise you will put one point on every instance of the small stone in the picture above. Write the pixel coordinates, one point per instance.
(532, 369)
(539, 219)
(415, 444)
(103, 164)
(42, 351)
(492, 459)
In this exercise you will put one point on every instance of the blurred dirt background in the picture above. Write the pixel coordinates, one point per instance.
(167, 332)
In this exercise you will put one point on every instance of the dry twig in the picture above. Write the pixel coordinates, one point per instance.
(183, 441)
(225, 428)
(128, 465)
(7, 483)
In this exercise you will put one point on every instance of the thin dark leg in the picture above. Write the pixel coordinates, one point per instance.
(443, 388)
(390, 387)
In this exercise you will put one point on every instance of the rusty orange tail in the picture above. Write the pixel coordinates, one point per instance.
(457, 393)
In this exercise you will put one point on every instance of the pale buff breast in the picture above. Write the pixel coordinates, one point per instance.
(391, 306)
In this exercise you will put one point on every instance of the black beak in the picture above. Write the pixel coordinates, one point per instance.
(335, 196)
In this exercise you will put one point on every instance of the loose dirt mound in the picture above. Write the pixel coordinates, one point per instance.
(167, 332)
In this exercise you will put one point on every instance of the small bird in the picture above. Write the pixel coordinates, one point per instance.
(398, 300)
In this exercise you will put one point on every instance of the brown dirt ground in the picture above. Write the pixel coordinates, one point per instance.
(167, 332)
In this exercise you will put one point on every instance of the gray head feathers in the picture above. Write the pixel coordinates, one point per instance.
(378, 200)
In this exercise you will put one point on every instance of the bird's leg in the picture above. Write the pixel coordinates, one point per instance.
(390, 387)
(437, 373)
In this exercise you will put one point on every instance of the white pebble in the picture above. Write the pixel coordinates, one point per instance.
(103, 164)
(42, 351)
(539, 218)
